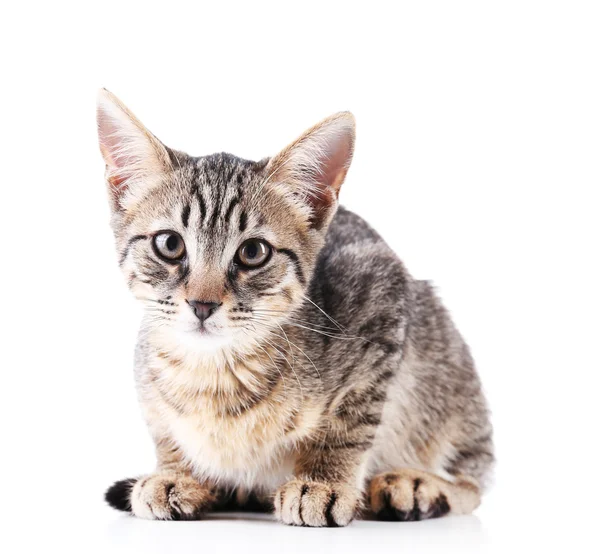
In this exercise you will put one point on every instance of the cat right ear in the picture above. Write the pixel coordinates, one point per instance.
(135, 159)
(313, 168)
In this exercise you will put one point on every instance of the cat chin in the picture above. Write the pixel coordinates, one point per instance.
(205, 342)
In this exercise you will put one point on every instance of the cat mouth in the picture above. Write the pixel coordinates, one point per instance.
(202, 330)
(207, 339)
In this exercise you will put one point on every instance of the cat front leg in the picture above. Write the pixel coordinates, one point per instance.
(329, 472)
(170, 493)
(316, 503)
(325, 490)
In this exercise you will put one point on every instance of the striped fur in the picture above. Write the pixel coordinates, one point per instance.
(327, 381)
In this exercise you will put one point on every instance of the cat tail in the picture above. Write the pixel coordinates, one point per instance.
(118, 495)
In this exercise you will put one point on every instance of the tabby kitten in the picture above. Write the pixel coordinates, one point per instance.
(286, 360)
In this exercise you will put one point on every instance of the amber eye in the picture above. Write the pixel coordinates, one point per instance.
(169, 246)
(253, 253)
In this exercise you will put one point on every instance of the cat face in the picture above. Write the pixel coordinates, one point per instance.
(220, 250)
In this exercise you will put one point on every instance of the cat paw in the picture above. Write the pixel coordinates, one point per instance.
(315, 504)
(408, 495)
(165, 495)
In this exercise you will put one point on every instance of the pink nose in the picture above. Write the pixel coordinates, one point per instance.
(203, 310)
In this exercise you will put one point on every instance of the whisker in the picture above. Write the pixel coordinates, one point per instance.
(156, 309)
(339, 326)
(272, 360)
(320, 332)
(296, 319)
(305, 354)
(288, 363)
(157, 301)
(289, 343)
(330, 335)
(293, 344)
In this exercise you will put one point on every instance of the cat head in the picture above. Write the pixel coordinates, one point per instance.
(207, 243)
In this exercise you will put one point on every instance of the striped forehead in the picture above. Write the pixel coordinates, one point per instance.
(216, 199)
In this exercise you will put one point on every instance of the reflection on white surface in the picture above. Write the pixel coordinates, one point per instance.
(233, 532)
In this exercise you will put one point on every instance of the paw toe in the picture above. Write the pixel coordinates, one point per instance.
(398, 497)
(315, 504)
(169, 497)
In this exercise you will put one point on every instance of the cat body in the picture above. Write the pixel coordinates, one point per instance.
(286, 358)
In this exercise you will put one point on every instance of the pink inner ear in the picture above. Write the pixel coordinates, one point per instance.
(118, 152)
(335, 165)
(108, 134)
(332, 169)
(130, 151)
(116, 178)
(109, 145)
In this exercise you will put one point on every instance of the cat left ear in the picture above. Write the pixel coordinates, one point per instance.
(134, 157)
(314, 166)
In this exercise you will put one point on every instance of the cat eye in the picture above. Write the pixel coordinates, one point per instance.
(169, 246)
(253, 253)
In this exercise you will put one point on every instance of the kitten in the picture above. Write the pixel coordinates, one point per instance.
(286, 359)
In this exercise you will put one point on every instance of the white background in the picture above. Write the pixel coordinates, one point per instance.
(477, 159)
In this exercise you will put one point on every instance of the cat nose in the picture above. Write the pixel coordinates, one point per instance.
(203, 310)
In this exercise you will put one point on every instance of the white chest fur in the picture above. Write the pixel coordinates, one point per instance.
(254, 446)
(254, 449)
(249, 454)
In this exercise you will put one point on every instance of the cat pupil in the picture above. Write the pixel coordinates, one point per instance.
(252, 250)
(172, 243)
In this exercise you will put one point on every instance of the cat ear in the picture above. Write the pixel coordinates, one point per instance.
(313, 168)
(134, 157)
